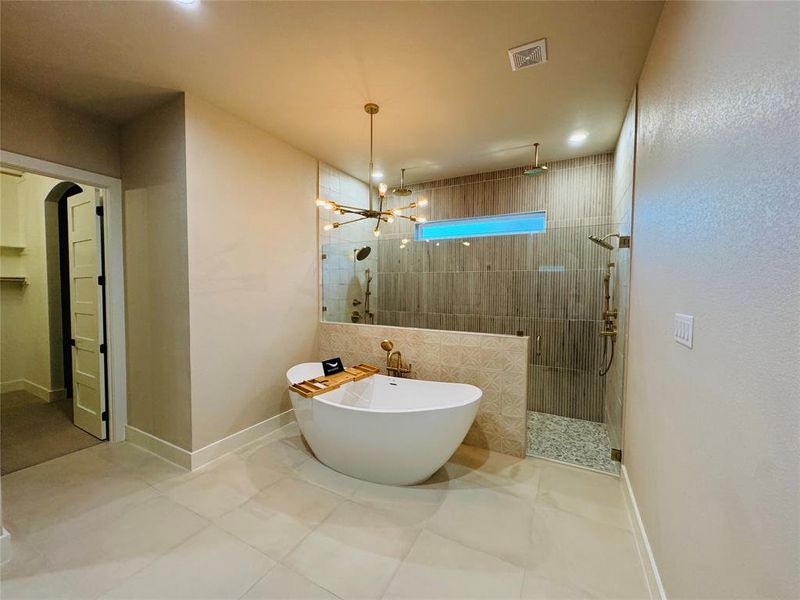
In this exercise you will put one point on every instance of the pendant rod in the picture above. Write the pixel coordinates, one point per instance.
(371, 115)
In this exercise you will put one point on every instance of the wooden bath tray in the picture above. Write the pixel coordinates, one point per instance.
(326, 383)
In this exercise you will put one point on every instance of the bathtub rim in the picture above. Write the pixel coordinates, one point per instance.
(321, 397)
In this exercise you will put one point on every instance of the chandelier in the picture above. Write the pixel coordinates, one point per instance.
(379, 214)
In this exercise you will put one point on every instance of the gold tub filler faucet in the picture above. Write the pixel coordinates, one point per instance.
(394, 360)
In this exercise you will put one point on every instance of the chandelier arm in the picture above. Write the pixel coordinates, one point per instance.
(352, 221)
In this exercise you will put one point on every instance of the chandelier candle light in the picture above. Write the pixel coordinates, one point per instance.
(380, 215)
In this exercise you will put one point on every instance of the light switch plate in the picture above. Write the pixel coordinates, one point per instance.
(683, 329)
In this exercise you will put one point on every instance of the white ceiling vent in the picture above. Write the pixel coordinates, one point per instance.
(528, 55)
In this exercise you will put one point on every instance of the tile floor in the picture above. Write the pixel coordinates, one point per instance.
(574, 441)
(269, 521)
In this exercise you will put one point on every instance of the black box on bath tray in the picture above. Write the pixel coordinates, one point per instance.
(332, 366)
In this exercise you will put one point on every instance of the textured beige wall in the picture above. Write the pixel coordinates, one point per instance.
(252, 269)
(37, 126)
(157, 274)
(713, 434)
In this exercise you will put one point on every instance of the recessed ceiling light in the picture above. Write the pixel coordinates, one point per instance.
(377, 175)
(578, 138)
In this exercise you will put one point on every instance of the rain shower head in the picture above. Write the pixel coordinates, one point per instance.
(362, 253)
(601, 242)
(536, 169)
(624, 241)
(402, 190)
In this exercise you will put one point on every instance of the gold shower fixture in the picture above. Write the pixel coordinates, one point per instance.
(380, 214)
(402, 190)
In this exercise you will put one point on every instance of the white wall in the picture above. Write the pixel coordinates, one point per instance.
(713, 433)
(42, 128)
(30, 333)
(156, 274)
(253, 269)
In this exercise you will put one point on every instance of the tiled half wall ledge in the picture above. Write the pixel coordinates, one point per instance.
(495, 363)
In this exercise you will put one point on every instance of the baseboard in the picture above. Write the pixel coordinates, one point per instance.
(195, 459)
(652, 575)
(164, 449)
(5, 546)
(233, 442)
(35, 389)
(12, 386)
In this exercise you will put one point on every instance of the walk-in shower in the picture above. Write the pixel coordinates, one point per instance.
(545, 284)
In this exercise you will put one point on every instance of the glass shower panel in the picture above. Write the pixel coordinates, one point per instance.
(349, 285)
(548, 286)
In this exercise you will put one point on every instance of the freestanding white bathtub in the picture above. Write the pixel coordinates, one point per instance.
(384, 429)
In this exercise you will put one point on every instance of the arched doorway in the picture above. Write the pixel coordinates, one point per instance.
(57, 227)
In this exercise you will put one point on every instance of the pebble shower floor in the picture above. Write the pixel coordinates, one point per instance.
(574, 441)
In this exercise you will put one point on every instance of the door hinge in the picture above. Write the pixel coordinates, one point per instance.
(98, 210)
(72, 342)
(104, 416)
(101, 280)
(102, 348)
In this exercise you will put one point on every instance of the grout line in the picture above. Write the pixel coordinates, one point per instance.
(258, 579)
(569, 464)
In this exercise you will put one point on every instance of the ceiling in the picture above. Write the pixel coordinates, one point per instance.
(450, 104)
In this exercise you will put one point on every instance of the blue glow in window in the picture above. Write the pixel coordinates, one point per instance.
(513, 224)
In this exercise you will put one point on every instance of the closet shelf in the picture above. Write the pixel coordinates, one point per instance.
(14, 280)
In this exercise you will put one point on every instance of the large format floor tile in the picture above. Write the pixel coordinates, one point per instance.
(65, 488)
(437, 567)
(221, 487)
(593, 495)
(270, 521)
(354, 553)
(282, 584)
(486, 520)
(211, 564)
(114, 546)
(589, 555)
(280, 516)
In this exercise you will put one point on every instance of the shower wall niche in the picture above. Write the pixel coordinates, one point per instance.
(547, 286)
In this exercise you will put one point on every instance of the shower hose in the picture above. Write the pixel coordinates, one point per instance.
(604, 370)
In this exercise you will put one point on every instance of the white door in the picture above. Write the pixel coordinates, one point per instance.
(86, 312)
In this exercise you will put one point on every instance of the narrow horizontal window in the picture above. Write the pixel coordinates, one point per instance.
(512, 224)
